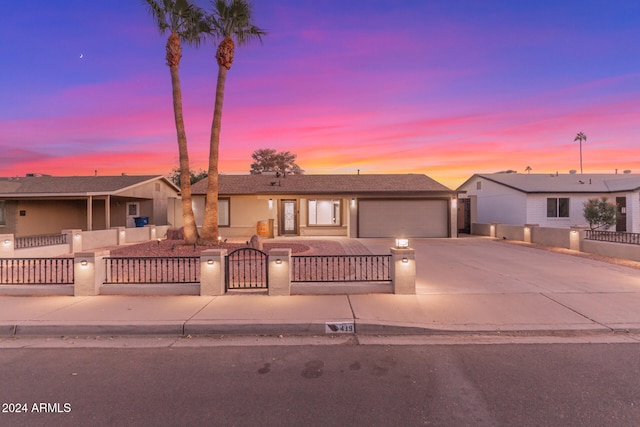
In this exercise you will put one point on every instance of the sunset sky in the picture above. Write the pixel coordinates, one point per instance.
(442, 87)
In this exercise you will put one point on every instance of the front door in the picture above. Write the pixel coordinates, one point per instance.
(621, 214)
(289, 217)
(133, 210)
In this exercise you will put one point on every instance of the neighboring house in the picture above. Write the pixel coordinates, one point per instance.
(331, 205)
(35, 205)
(549, 200)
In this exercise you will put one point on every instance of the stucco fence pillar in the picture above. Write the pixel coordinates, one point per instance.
(74, 240)
(529, 230)
(213, 272)
(89, 272)
(403, 270)
(7, 246)
(576, 237)
(279, 266)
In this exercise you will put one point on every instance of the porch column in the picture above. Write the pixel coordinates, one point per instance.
(279, 272)
(89, 272)
(107, 212)
(453, 222)
(403, 271)
(7, 246)
(212, 272)
(90, 213)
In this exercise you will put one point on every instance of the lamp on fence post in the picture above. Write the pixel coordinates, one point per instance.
(576, 236)
(403, 267)
(7, 246)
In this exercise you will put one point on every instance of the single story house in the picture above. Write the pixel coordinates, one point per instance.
(36, 205)
(549, 200)
(408, 205)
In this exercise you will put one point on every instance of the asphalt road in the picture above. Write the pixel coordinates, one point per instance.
(335, 385)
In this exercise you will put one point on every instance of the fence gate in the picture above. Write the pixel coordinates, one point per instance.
(246, 269)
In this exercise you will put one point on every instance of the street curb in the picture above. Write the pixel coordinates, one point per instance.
(180, 328)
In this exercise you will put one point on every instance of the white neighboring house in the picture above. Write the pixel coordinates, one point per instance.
(549, 200)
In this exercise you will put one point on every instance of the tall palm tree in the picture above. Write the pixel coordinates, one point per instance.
(183, 22)
(580, 137)
(230, 19)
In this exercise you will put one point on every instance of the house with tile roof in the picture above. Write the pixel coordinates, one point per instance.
(358, 205)
(36, 205)
(549, 200)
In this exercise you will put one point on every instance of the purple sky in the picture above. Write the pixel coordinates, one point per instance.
(445, 88)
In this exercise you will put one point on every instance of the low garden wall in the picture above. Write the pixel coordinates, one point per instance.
(568, 238)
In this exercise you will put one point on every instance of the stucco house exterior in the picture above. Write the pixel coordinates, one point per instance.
(549, 200)
(36, 205)
(358, 205)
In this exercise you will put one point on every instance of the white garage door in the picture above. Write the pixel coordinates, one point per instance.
(403, 218)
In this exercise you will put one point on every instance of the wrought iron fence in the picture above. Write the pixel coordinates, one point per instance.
(43, 240)
(36, 271)
(151, 270)
(341, 268)
(614, 237)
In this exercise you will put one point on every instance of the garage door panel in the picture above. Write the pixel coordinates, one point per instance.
(410, 218)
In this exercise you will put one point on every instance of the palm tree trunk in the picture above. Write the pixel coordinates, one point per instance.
(210, 231)
(188, 219)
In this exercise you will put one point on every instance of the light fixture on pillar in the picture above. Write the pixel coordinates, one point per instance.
(7, 242)
(84, 263)
(353, 202)
(270, 203)
(278, 261)
(454, 203)
(402, 243)
(405, 260)
(210, 262)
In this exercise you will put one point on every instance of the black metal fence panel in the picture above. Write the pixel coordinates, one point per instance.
(36, 271)
(341, 268)
(38, 241)
(614, 237)
(152, 270)
(247, 269)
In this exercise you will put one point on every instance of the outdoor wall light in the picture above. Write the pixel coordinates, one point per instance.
(7, 242)
(402, 243)
(210, 262)
(77, 235)
(574, 232)
(84, 263)
(278, 261)
(405, 260)
(454, 203)
(526, 229)
(353, 202)
(270, 203)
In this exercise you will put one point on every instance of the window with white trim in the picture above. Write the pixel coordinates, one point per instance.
(324, 212)
(223, 213)
(558, 207)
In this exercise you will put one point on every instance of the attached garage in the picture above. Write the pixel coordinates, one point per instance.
(403, 218)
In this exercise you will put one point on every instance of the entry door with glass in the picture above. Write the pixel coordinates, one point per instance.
(133, 210)
(289, 217)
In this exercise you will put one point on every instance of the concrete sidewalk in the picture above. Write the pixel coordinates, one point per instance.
(372, 314)
(465, 286)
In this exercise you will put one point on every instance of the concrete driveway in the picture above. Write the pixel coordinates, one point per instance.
(476, 265)
(482, 283)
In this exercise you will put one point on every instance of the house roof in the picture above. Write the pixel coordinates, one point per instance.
(34, 186)
(407, 184)
(563, 183)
